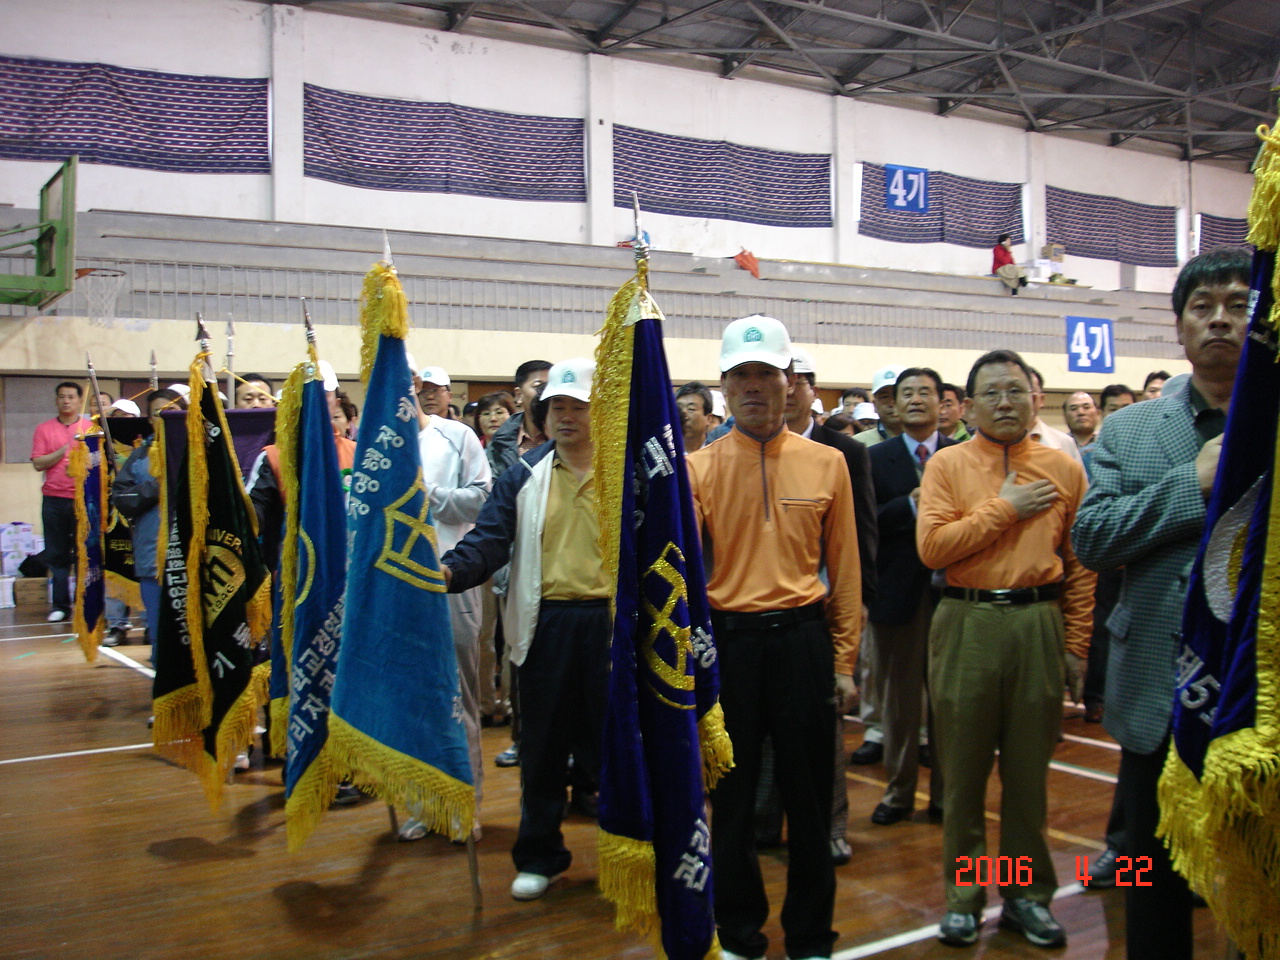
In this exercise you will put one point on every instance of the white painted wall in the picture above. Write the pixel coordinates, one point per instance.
(292, 45)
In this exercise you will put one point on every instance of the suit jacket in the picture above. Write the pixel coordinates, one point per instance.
(901, 576)
(1144, 511)
(864, 500)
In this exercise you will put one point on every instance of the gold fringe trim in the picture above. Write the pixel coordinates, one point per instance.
(123, 589)
(311, 797)
(257, 612)
(279, 710)
(717, 748)
(87, 636)
(627, 870)
(235, 733)
(1230, 855)
(610, 415)
(1264, 208)
(197, 549)
(176, 732)
(288, 416)
(383, 310)
(444, 804)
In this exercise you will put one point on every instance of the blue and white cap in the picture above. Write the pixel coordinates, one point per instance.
(570, 378)
(755, 339)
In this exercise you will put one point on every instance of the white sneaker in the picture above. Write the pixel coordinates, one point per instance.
(530, 886)
(56, 616)
(242, 761)
(413, 829)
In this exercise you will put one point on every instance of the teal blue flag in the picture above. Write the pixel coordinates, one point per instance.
(396, 719)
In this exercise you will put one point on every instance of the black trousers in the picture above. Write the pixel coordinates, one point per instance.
(1158, 914)
(779, 683)
(1105, 597)
(564, 684)
(58, 516)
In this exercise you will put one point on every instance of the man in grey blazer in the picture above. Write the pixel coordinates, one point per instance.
(1153, 468)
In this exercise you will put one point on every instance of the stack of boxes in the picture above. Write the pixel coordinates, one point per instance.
(17, 542)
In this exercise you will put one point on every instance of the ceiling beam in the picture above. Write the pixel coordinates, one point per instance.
(641, 34)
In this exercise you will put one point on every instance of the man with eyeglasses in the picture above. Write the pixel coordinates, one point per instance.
(1011, 630)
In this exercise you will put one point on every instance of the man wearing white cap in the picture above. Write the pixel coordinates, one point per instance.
(457, 477)
(541, 518)
(865, 416)
(775, 508)
(882, 382)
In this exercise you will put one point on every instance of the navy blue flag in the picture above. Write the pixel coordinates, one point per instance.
(664, 729)
(89, 614)
(1219, 793)
(314, 565)
(396, 712)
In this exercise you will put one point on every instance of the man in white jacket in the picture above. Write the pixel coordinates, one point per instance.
(456, 474)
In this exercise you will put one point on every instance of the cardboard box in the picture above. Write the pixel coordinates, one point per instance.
(31, 590)
(9, 563)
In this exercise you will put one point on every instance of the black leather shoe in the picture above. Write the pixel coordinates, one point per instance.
(1102, 872)
(870, 752)
(885, 815)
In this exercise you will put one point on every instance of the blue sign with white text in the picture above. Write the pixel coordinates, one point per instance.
(906, 189)
(1090, 345)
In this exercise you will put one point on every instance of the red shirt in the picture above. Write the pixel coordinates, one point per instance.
(1000, 256)
(49, 436)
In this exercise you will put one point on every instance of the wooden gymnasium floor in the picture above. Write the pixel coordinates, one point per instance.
(107, 851)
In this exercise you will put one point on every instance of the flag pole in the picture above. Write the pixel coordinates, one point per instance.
(102, 414)
(312, 342)
(641, 245)
(231, 365)
(206, 347)
(155, 377)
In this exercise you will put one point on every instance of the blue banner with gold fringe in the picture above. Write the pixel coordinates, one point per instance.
(88, 616)
(1220, 789)
(664, 730)
(396, 715)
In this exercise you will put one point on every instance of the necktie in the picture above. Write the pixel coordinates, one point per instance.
(922, 452)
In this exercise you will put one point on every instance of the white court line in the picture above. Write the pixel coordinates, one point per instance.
(38, 636)
(925, 933)
(1082, 771)
(39, 624)
(128, 662)
(1107, 744)
(78, 753)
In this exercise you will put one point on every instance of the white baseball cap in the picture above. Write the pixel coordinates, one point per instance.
(755, 339)
(885, 377)
(570, 378)
(718, 406)
(802, 361)
(434, 375)
(817, 406)
(329, 377)
(865, 411)
(125, 406)
(181, 389)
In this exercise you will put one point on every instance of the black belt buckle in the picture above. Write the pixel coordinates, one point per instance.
(1002, 597)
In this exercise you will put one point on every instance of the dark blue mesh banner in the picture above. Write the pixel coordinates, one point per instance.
(962, 210)
(1221, 231)
(385, 144)
(1108, 228)
(685, 177)
(51, 109)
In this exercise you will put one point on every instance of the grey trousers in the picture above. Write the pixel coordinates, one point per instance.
(465, 616)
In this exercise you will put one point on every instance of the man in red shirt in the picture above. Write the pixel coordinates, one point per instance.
(50, 451)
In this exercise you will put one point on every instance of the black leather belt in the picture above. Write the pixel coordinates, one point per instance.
(1017, 597)
(768, 619)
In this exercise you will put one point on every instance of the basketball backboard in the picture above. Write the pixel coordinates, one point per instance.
(53, 246)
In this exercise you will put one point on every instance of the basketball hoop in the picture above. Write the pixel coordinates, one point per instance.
(101, 287)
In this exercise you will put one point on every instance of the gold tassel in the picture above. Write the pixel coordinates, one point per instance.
(383, 310)
(444, 804)
(311, 797)
(288, 416)
(279, 708)
(627, 869)
(1264, 203)
(88, 637)
(717, 748)
(123, 589)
